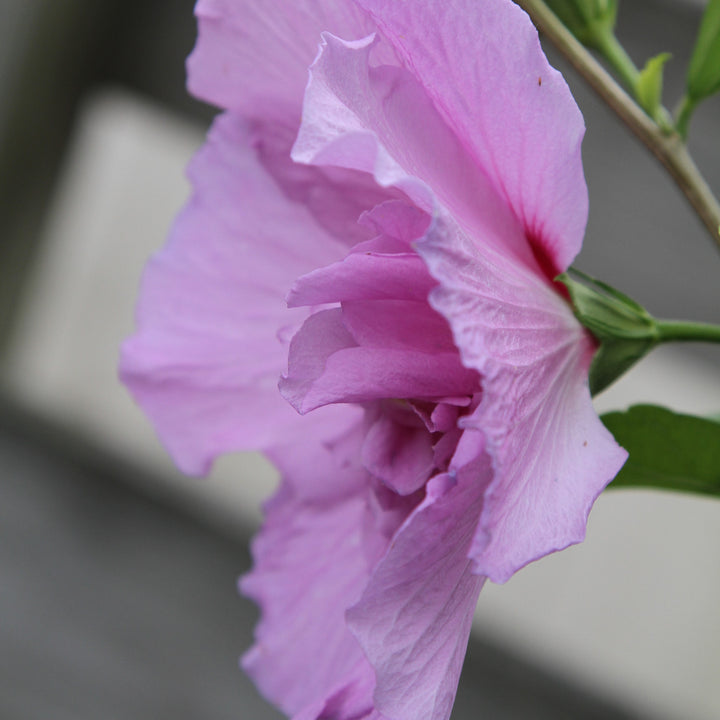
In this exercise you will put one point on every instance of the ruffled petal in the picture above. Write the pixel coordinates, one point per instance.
(206, 357)
(252, 55)
(383, 268)
(379, 119)
(385, 341)
(399, 325)
(551, 454)
(326, 365)
(337, 198)
(482, 65)
(324, 532)
(414, 618)
(310, 565)
(352, 700)
(365, 276)
(398, 449)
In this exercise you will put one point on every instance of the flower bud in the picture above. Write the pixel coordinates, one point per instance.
(625, 330)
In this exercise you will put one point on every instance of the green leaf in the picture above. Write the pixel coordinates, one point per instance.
(668, 450)
(703, 77)
(625, 330)
(650, 83)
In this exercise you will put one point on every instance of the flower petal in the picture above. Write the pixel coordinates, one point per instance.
(337, 198)
(383, 268)
(551, 454)
(482, 65)
(365, 276)
(399, 451)
(252, 55)
(310, 566)
(413, 620)
(379, 119)
(326, 365)
(324, 532)
(206, 357)
(352, 700)
(398, 324)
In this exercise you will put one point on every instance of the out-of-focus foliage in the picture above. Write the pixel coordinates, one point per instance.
(586, 19)
(703, 77)
(650, 84)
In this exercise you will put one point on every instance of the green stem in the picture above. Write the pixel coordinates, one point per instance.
(680, 331)
(606, 43)
(668, 149)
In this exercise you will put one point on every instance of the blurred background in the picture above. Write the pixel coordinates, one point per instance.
(117, 575)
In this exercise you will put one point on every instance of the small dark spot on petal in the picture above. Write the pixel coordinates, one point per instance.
(539, 81)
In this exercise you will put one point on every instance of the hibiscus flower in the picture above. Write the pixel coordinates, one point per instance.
(382, 239)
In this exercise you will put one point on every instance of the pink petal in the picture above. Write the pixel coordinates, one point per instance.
(551, 454)
(380, 120)
(397, 220)
(252, 56)
(365, 276)
(350, 701)
(325, 530)
(399, 324)
(336, 431)
(399, 451)
(326, 366)
(206, 357)
(337, 198)
(413, 620)
(383, 268)
(483, 67)
(310, 566)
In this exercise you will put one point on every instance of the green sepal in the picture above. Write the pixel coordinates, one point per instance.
(586, 19)
(613, 359)
(703, 77)
(650, 84)
(625, 330)
(668, 450)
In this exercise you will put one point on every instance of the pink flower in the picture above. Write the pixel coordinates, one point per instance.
(434, 191)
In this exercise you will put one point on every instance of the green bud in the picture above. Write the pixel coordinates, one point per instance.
(586, 19)
(625, 330)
